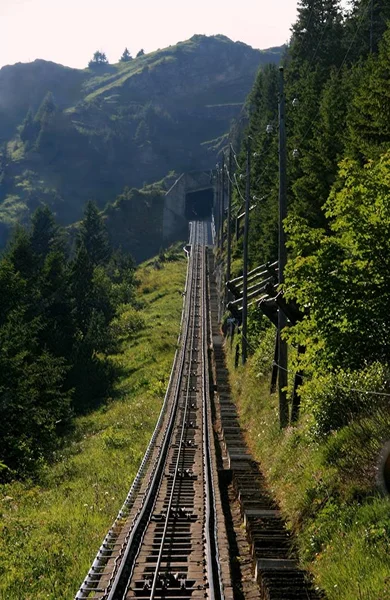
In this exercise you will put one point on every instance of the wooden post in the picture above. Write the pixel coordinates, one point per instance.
(245, 266)
(222, 213)
(229, 219)
(282, 321)
(296, 397)
(237, 356)
(274, 376)
(216, 209)
(372, 27)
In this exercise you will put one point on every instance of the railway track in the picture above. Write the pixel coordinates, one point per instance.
(164, 542)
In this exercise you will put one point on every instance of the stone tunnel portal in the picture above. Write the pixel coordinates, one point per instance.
(199, 205)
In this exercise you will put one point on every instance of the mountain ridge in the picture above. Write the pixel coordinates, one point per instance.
(69, 135)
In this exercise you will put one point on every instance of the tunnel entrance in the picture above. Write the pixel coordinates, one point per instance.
(199, 205)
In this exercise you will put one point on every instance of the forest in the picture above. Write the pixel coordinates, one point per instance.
(338, 106)
(58, 302)
(325, 468)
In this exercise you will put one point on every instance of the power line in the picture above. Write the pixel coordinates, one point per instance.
(339, 69)
(238, 189)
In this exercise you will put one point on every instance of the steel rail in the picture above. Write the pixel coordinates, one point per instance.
(94, 574)
(213, 562)
(179, 455)
(117, 581)
(119, 585)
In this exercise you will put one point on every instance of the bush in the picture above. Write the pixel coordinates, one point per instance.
(264, 354)
(336, 399)
(128, 322)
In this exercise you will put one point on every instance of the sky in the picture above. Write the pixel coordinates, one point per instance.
(69, 31)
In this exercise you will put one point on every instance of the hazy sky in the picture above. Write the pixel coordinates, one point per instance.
(69, 31)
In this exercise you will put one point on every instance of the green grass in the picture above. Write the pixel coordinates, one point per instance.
(341, 520)
(51, 530)
(136, 66)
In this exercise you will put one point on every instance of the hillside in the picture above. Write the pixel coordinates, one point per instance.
(71, 135)
(41, 521)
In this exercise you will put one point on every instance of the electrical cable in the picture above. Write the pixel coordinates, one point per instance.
(338, 71)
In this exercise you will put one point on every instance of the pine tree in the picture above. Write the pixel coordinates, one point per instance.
(49, 121)
(142, 133)
(93, 236)
(46, 111)
(29, 130)
(126, 56)
(365, 26)
(263, 107)
(58, 330)
(369, 116)
(140, 53)
(20, 254)
(319, 164)
(81, 282)
(99, 59)
(45, 233)
(317, 35)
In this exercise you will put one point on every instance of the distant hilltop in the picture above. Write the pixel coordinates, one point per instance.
(69, 135)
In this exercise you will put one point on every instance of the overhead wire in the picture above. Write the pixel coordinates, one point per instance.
(339, 69)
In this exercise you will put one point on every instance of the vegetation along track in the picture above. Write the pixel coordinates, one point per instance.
(163, 543)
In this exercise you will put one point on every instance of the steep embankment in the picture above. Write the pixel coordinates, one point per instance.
(326, 488)
(51, 529)
(90, 133)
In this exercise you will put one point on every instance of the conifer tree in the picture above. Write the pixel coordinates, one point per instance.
(142, 133)
(20, 254)
(365, 26)
(81, 286)
(29, 129)
(263, 106)
(45, 233)
(46, 111)
(319, 164)
(99, 59)
(316, 50)
(93, 236)
(369, 118)
(58, 325)
(126, 56)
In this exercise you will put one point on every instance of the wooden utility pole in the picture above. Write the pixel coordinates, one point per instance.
(245, 268)
(229, 218)
(282, 322)
(222, 198)
(217, 210)
(372, 26)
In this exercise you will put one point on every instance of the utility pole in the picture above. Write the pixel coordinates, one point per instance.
(245, 269)
(229, 218)
(282, 322)
(216, 211)
(222, 196)
(372, 26)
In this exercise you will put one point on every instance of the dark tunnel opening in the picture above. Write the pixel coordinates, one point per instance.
(199, 205)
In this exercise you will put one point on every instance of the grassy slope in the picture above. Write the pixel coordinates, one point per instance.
(51, 531)
(343, 526)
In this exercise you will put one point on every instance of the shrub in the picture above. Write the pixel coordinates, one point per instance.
(129, 321)
(335, 399)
